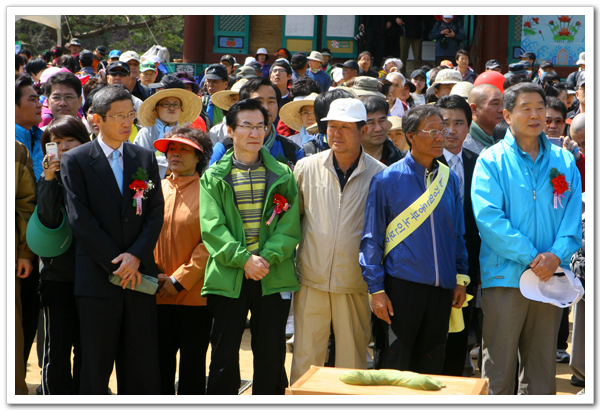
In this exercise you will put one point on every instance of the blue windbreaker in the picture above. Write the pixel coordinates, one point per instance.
(513, 204)
(435, 252)
(32, 140)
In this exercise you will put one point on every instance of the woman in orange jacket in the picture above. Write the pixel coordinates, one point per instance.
(184, 322)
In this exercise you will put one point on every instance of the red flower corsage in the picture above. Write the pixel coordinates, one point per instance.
(559, 184)
(140, 185)
(281, 205)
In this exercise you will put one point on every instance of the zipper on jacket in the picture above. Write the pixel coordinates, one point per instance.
(337, 223)
(435, 261)
(534, 194)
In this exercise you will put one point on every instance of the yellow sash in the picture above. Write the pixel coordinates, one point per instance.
(417, 212)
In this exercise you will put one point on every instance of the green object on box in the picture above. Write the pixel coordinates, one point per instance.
(391, 378)
(149, 284)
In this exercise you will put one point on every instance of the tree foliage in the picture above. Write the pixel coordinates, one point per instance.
(119, 32)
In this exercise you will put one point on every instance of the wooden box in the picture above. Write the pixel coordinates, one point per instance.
(325, 380)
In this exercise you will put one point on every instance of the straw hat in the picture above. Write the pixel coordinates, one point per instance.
(222, 99)
(191, 106)
(315, 55)
(290, 112)
(463, 88)
(396, 123)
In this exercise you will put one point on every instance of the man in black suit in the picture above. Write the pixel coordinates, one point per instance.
(457, 118)
(117, 325)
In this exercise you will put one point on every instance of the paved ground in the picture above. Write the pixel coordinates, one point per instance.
(563, 372)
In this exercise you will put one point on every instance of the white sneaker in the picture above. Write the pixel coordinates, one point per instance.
(289, 327)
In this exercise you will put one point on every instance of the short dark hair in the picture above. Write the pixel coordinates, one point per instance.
(247, 104)
(19, 61)
(456, 102)
(66, 79)
(322, 103)
(90, 97)
(69, 62)
(414, 116)
(516, 79)
(26, 51)
(199, 137)
(65, 127)
(299, 65)
(384, 85)
(35, 65)
(92, 84)
(550, 90)
(304, 86)
(462, 53)
(511, 95)
(366, 53)
(252, 86)
(24, 80)
(104, 98)
(283, 64)
(557, 105)
(549, 77)
(374, 103)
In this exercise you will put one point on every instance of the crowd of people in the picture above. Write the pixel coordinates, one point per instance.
(345, 206)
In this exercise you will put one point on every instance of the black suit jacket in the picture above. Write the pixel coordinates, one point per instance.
(472, 239)
(104, 221)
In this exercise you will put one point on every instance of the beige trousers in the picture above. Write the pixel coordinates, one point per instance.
(314, 312)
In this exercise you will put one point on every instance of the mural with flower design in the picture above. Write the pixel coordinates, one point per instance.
(552, 37)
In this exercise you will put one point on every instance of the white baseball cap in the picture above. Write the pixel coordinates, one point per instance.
(337, 74)
(346, 110)
(561, 291)
(130, 55)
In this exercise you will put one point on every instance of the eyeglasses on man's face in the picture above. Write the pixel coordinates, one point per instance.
(123, 117)
(436, 133)
(250, 128)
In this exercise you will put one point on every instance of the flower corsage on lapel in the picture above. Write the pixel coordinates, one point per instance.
(560, 186)
(140, 185)
(281, 205)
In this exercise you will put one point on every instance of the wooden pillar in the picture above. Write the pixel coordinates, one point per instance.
(494, 41)
(194, 32)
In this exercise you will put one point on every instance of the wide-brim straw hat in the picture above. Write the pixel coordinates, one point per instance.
(222, 99)
(191, 106)
(290, 112)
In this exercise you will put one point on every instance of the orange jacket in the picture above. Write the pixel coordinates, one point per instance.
(179, 251)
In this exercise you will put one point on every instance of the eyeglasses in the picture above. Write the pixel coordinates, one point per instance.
(307, 112)
(123, 117)
(59, 98)
(279, 71)
(250, 128)
(168, 105)
(118, 73)
(557, 121)
(436, 133)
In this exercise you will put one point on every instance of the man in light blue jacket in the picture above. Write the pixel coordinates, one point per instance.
(525, 221)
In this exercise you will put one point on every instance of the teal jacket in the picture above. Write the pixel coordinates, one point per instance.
(513, 204)
(223, 230)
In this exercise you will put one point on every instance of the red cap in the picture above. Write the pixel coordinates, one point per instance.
(163, 144)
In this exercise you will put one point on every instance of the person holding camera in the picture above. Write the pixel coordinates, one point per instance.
(447, 34)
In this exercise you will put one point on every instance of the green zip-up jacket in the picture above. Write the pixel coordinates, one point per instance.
(223, 230)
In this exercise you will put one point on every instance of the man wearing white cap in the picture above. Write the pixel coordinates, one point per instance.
(526, 195)
(133, 84)
(332, 191)
(315, 59)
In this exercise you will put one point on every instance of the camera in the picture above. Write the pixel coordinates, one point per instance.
(361, 34)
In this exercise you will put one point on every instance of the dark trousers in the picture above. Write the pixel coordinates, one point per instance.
(185, 329)
(60, 335)
(375, 43)
(456, 345)
(563, 330)
(121, 330)
(30, 302)
(417, 335)
(269, 316)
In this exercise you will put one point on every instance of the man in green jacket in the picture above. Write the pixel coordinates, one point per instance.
(250, 224)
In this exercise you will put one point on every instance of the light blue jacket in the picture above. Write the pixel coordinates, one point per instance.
(31, 139)
(513, 204)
